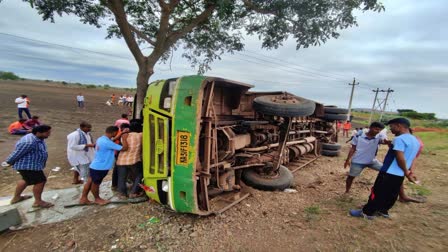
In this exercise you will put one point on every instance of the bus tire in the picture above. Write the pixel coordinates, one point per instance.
(335, 117)
(328, 146)
(334, 110)
(283, 180)
(291, 107)
(330, 153)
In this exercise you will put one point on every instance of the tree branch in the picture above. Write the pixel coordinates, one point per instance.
(142, 35)
(117, 8)
(250, 5)
(175, 35)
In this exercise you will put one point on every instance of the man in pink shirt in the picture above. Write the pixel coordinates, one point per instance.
(123, 119)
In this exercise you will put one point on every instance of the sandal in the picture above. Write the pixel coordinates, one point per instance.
(44, 205)
(22, 198)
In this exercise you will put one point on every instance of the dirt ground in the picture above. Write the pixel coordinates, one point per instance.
(315, 218)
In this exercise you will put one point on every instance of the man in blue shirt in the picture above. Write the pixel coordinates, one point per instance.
(397, 162)
(29, 159)
(363, 153)
(101, 164)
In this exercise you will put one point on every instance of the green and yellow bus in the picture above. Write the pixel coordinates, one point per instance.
(206, 139)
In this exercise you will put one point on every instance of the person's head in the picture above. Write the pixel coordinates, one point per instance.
(124, 126)
(124, 116)
(111, 131)
(85, 126)
(399, 125)
(347, 121)
(80, 93)
(375, 128)
(24, 96)
(22, 120)
(135, 127)
(42, 131)
(35, 118)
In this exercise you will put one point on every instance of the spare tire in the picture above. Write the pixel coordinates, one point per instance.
(281, 181)
(334, 110)
(334, 117)
(330, 153)
(328, 146)
(284, 105)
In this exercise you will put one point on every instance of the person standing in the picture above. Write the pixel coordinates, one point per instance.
(29, 159)
(363, 153)
(23, 104)
(398, 160)
(346, 128)
(123, 119)
(80, 100)
(100, 166)
(130, 160)
(80, 152)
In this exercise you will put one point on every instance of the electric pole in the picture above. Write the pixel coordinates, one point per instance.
(373, 106)
(385, 102)
(351, 98)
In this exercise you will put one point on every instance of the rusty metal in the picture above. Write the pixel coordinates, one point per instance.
(283, 139)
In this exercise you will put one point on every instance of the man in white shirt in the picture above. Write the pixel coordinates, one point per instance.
(23, 104)
(80, 152)
(80, 100)
(363, 153)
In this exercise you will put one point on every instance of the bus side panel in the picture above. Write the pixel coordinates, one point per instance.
(184, 143)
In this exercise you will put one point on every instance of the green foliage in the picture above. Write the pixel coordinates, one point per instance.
(90, 86)
(8, 76)
(421, 116)
(206, 29)
(106, 86)
(405, 111)
(64, 83)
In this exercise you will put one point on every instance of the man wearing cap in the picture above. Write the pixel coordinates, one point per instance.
(397, 162)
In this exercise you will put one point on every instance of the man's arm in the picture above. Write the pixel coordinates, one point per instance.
(401, 161)
(19, 152)
(349, 156)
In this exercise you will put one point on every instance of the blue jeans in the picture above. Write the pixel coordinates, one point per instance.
(27, 112)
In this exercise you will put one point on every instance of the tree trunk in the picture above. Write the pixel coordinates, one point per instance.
(142, 85)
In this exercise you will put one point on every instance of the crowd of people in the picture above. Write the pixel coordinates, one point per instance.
(120, 150)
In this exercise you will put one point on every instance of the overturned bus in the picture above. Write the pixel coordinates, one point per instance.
(206, 139)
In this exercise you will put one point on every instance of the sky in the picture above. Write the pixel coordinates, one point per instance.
(404, 48)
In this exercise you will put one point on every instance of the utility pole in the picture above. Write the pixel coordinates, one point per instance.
(351, 98)
(385, 101)
(373, 106)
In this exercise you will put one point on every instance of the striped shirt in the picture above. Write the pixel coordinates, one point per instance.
(30, 154)
(134, 152)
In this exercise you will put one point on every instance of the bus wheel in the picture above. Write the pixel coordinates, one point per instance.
(283, 105)
(280, 181)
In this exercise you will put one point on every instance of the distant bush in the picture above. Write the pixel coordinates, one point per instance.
(64, 83)
(421, 116)
(8, 76)
(90, 86)
(106, 86)
(48, 81)
(78, 84)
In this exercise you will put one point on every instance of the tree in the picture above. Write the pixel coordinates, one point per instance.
(206, 29)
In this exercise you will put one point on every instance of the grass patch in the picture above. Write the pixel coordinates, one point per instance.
(434, 141)
(312, 213)
(420, 190)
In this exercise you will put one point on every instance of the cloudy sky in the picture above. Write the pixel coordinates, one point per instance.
(404, 48)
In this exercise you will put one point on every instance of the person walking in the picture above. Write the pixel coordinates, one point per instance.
(29, 159)
(80, 100)
(80, 152)
(100, 166)
(398, 160)
(130, 161)
(363, 153)
(23, 104)
(346, 128)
